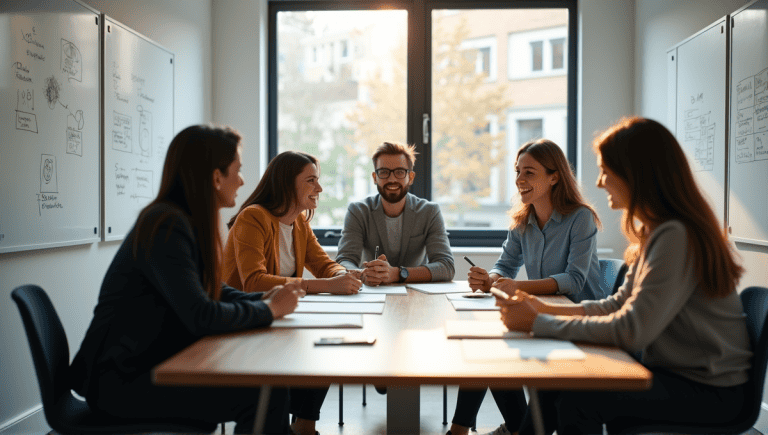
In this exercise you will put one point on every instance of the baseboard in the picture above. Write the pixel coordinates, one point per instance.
(30, 422)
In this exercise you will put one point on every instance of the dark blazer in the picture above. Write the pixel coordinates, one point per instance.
(153, 306)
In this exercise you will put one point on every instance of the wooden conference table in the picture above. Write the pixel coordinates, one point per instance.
(411, 350)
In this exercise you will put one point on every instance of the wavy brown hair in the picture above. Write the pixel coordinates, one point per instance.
(565, 195)
(276, 191)
(187, 184)
(648, 158)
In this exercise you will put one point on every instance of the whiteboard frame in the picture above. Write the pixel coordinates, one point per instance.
(726, 21)
(96, 237)
(102, 38)
(731, 22)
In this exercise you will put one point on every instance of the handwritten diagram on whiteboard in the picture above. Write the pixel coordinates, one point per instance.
(49, 125)
(138, 124)
(752, 118)
(701, 110)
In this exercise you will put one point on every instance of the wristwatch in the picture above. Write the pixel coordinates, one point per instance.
(403, 274)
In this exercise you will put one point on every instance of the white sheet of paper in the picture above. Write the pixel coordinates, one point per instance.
(436, 288)
(520, 348)
(311, 320)
(466, 304)
(357, 298)
(387, 289)
(479, 329)
(324, 307)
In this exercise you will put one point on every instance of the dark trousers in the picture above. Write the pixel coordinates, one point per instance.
(671, 399)
(139, 398)
(306, 402)
(511, 403)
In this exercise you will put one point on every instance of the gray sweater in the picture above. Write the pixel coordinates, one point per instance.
(662, 311)
(423, 242)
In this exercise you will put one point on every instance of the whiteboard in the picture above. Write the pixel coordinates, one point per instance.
(138, 124)
(748, 186)
(49, 124)
(700, 112)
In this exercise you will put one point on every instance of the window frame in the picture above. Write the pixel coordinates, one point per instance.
(419, 92)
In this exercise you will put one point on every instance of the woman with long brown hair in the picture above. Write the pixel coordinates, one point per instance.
(163, 292)
(554, 234)
(270, 243)
(678, 305)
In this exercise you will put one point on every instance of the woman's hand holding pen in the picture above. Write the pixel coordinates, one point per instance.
(479, 279)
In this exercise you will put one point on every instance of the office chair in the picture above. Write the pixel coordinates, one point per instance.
(50, 354)
(612, 273)
(755, 301)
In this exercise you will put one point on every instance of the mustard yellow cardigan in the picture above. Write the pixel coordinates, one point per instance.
(252, 252)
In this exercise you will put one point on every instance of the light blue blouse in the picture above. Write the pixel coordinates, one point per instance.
(565, 250)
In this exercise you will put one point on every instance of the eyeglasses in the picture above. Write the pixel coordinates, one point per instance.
(383, 173)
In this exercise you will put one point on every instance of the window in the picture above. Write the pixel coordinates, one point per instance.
(481, 53)
(363, 82)
(558, 53)
(536, 55)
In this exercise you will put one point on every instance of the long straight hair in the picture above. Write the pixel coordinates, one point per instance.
(187, 184)
(565, 195)
(648, 158)
(276, 190)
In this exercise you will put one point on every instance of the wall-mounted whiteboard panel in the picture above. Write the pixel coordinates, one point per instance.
(748, 186)
(49, 124)
(701, 107)
(138, 124)
(672, 90)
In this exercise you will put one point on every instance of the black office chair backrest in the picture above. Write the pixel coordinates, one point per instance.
(612, 273)
(48, 342)
(755, 301)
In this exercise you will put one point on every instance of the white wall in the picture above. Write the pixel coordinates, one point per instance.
(239, 83)
(72, 275)
(606, 56)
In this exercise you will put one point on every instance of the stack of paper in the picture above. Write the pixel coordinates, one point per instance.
(356, 298)
(307, 320)
(325, 307)
(387, 289)
(479, 329)
(461, 303)
(436, 288)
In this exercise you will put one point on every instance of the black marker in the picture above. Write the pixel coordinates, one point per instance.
(469, 261)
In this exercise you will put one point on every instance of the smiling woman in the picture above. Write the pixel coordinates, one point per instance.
(270, 243)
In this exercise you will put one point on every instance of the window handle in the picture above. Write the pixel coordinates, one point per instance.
(332, 234)
(425, 128)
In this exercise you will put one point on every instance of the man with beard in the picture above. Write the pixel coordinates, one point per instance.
(406, 233)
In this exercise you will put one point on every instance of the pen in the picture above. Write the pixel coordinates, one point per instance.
(469, 261)
(376, 255)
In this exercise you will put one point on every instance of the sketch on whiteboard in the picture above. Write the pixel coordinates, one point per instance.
(145, 132)
(25, 105)
(71, 61)
(48, 175)
(699, 137)
(752, 118)
(51, 90)
(122, 139)
(144, 184)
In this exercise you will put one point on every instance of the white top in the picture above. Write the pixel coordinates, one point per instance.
(287, 251)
